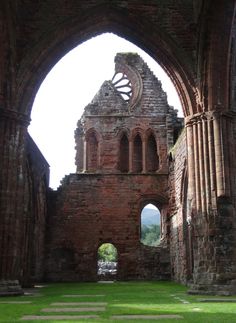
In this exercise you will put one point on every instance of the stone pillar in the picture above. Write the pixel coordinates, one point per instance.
(85, 165)
(99, 155)
(206, 163)
(211, 152)
(196, 164)
(144, 154)
(217, 128)
(210, 168)
(201, 162)
(13, 129)
(190, 163)
(79, 141)
(131, 151)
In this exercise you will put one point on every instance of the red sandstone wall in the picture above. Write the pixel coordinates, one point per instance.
(178, 210)
(103, 205)
(36, 174)
(91, 209)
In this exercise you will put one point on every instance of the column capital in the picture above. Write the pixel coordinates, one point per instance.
(209, 115)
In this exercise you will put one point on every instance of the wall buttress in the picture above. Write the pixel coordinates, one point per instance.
(12, 149)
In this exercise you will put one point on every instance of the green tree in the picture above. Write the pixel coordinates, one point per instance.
(107, 252)
(150, 235)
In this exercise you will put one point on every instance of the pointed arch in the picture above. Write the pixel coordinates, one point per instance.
(55, 44)
(124, 153)
(92, 150)
(152, 158)
(150, 218)
(137, 154)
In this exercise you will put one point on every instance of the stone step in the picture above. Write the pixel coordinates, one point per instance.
(85, 295)
(217, 300)
(74, 309)
(146, 317)
(16, 302)
(105, 281)
(58, 317)
(78, 303)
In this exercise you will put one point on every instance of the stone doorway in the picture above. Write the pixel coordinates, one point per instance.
(107, 262)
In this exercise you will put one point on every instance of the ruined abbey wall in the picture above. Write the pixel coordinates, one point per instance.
(31, 227)
(122, 166)
(91, 209)
(38, 182)
(194, 41)
(180, 251)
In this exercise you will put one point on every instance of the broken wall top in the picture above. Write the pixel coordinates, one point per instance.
(134, 90)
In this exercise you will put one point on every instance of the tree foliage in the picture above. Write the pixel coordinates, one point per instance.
(107, 252)
(150, 235)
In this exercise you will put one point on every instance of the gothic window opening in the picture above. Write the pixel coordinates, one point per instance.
(137, 154)
(124, 154)
(107, 262)
(150, 226)
(152, 156)
(92, 152)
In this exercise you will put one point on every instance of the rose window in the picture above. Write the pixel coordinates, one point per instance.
(123, 85)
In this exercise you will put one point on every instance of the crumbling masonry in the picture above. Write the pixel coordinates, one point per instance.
(122, 165)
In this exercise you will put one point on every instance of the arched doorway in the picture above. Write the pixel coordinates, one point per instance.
(107, 262)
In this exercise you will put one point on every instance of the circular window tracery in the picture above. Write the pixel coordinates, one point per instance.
(123, 85)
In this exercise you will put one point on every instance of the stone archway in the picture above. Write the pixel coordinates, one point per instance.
(56, 45)
(202, 83)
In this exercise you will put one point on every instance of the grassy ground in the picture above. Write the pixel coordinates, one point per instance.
(123, 298)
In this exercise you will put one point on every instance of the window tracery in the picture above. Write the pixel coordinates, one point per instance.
(123, 85)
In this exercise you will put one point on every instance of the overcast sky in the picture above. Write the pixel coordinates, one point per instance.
(69, 87)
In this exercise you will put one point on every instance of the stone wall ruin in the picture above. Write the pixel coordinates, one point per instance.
(194, 41)
(122, 163)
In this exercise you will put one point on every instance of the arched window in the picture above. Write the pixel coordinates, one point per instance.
(107, 261)
(137, 154)
(150, 226)
(152, 159)
(92, 152)
(124, 154)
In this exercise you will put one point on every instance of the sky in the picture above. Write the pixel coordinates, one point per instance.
(69, 87)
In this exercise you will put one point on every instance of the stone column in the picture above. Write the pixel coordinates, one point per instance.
(217, 128)
(190, 163)
(214, 224)
(13, 129)
(205, 151)
(131, 151)
(201, 162)
(79, 141)
(144, 155)
(196, 164)
(99, 155)
(85, 165)
(211, 152)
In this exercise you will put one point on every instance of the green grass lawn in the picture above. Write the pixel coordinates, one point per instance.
(123, 298)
